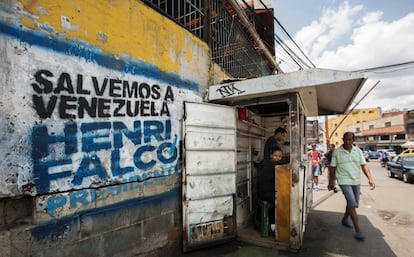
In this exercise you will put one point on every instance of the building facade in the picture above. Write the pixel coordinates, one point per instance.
(335, 127)
(313, 132)
(410, 125)
(387, 132)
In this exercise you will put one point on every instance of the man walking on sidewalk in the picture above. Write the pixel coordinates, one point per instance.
(346, 164)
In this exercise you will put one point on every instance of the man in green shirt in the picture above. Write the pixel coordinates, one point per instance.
(346, 164)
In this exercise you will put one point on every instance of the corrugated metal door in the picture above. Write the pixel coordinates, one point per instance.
(209, 174)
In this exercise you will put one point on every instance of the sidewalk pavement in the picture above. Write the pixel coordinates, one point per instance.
(323, 193)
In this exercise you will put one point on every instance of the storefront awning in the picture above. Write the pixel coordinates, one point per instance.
(408, 144)
(323, 92)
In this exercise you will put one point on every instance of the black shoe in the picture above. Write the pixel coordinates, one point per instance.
(359, 235)
(346, 223)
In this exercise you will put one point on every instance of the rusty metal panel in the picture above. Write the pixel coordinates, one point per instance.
(205, 210)
(209, 138)
(209, 174)
(214, 116)
(208, 231)
(210, 185)
(206, 162)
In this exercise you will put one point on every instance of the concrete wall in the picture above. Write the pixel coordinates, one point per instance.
(91, 103)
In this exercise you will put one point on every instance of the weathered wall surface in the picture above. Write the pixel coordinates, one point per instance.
(91, 104)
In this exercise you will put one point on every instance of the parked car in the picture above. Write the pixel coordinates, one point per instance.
(373, 155)
(407, 152)
(402, 167)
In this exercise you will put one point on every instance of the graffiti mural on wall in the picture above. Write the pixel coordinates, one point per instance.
(60, 97)
(112, 128)
(77, 117)
(229, 90)
(63, 204)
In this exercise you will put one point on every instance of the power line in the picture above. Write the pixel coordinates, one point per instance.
(391, 71)
(293, 41)
(356, 104)
(285, 31)
(386, 67)
(289, 52)
(295, 57)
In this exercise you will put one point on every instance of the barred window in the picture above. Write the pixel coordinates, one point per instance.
(215, 22)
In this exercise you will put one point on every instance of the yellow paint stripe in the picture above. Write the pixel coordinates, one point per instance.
(118, 28)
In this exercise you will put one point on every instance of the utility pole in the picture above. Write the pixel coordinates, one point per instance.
(327, 132)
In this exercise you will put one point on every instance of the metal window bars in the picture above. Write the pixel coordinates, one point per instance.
(214, 22)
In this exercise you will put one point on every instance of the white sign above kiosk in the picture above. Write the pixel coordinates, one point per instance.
(323, 92)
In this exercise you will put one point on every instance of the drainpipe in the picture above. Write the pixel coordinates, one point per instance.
(251, 29)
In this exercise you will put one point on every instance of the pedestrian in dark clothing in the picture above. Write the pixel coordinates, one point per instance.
(328, 156)
(273, 142)
(266, 182)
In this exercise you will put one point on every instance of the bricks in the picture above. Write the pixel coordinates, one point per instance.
(143, 210)
(15, 210)
(5, 244)
(97, 222)
(123, 238)
(63, 229)
(160, 225)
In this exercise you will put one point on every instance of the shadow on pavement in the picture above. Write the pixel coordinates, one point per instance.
(324, 236)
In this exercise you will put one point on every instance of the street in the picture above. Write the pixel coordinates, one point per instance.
(386, 216)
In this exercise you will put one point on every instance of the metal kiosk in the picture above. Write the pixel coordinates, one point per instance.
(221, 150)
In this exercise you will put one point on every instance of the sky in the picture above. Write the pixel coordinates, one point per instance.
(356, 35)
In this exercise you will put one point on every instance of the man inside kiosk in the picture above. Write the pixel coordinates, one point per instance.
(274, 141)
